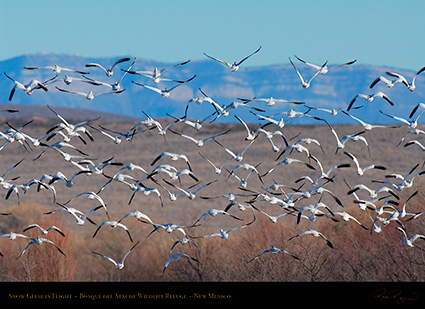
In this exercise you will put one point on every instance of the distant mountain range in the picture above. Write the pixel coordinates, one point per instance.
(334, 90)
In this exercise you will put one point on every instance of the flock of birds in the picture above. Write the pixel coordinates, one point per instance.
(162, 178)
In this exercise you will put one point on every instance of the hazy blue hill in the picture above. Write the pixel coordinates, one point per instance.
(333, 90)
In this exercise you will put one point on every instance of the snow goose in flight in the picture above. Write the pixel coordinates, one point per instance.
(272, 218)
(305, 83)
(411, 123)
(370, 98)
(108, 71)
(314, 209)
(156, 73)
(175, 257)
(315, 234)
(27, 88)
(235, 65)
(113, 224)
(244, 181)
(166, 92)
(361, 171)
(288, 161)
(43, 230)
(91, 196)
(214, 212)
(60, 145)
(89, 95)
(39, 240)
(272, 101)
(200, 142)
(118, 265)
(237, 156)
(274, 250)
(145, 190)
(142, 217)
(250, 134)
(217, 169)
(69, 127)
(173, 157)
(190, 194)
(57, 69)
(409, 241)
(366, 126)
(373, 193)
(115, 86)
(79, 216)
(347, 217)
(269, 136)
(184, 241)
(414, 131)
(389, 83)
(225, 234)
(324, 69)
(411, 86)
(405, 182)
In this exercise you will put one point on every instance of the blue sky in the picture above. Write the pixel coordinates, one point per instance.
(373, 32)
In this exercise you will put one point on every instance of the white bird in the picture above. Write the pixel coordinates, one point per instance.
(409, 241)
(360, 170)
(370, 98)
(272, 218)
(200, 142)
(146, 191)
(43, 230)
(190, 194)
(175, 257)
(305, 83)
(412, 122)
(184, 241)
(314, 209)
(250, 134)
(57, 69)
(237, 156)
(115, 86)
(113, 224)
(288, 161)
(347, 217)
(214, 212)
(411, 86)
(118, 265)
(272, 101)
(269, 135)
(235, 65)
(39, 240)
(79, 216)
(279, 123)
(225, 234)
(372, 193)
(156, 73)
(405, 182)
(13, 236)
(217, 169)
(366, 126)
(315, 234)
(91, 196)
(246, 167)
(324, 69)
(274, 250)
(89, 95)
(173, 157)
(27, 88)
(389, 83)
(108, 71)
(138, 215)
(166, 92)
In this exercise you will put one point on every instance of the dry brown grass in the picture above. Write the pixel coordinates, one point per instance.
(358, 254)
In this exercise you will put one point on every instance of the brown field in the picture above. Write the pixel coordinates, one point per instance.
(358, 254)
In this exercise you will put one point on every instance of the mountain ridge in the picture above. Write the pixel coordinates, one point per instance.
(334, 90)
